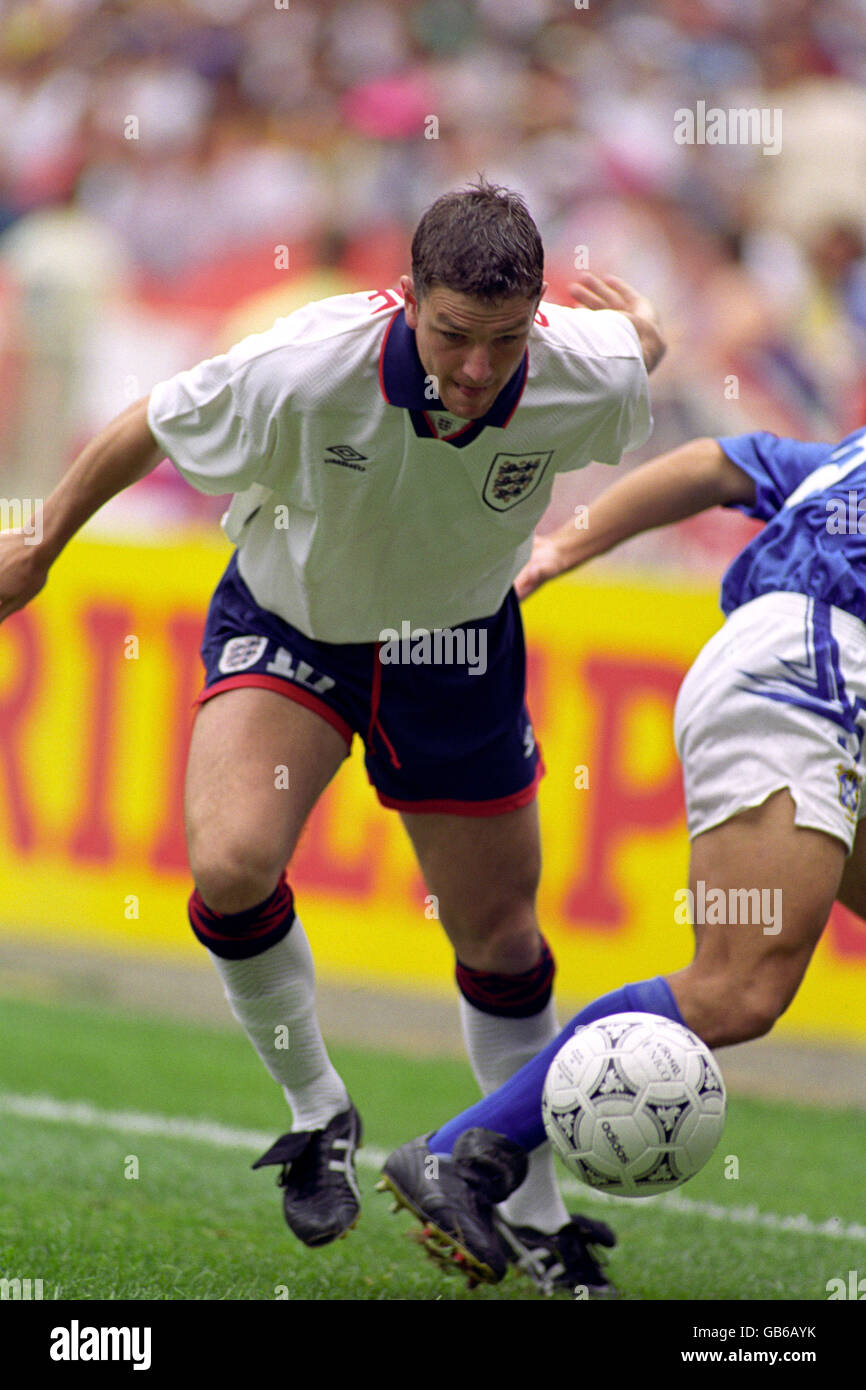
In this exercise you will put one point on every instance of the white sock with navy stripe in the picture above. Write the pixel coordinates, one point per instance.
(498, 1047)
(272, 996)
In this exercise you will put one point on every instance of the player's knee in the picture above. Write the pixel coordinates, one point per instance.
(729, 1010)
(233, 878)
(501, 938)
(753, 1016)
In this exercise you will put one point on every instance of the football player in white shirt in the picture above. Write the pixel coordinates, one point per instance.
(389, 459)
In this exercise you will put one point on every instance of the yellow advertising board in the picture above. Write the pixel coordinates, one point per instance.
(97, 682)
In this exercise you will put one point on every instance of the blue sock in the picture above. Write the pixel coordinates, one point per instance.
(515, 1109)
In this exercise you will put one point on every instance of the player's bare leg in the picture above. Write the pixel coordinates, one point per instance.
(852, 889)
(484, 871)
(744, 975)
(258, 762)
(243, 823)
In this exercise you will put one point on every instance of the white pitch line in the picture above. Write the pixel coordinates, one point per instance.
(227, 1137)
(81, 1112)
(834, 1228)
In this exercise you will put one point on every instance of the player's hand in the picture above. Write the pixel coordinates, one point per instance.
(609, 292)
(544, 563)
(23, 571)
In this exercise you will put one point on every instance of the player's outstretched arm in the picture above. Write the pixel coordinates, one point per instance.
(117, 457)
(609, 292)
(688, 480)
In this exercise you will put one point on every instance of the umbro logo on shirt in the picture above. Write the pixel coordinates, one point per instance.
(346, 457)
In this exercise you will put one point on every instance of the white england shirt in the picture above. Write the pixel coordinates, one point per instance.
(359, 502)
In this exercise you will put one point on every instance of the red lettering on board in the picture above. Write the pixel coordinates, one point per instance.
(105, 627)
(322, 866)
(618, 806)
(846, 934)
(16, 704)
(184, 633)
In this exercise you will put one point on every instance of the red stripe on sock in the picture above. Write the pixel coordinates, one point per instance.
(240, 934)
(509, 996)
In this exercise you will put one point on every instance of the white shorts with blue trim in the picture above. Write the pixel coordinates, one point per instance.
(777, 699)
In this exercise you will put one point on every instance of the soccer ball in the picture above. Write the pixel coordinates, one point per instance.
(634, 1104)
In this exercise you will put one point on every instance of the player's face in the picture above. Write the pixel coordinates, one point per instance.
(471, 346)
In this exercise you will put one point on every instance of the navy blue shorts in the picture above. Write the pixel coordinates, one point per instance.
(441, 733)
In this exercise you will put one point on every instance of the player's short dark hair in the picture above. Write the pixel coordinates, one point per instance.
(480, 241)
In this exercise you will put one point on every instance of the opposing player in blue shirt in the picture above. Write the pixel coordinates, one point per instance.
(769, 725)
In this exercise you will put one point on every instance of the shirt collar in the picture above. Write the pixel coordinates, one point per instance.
(404, 382)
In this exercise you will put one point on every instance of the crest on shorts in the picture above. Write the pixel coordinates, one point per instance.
(513, 478)
(849, 790)
(239, 653)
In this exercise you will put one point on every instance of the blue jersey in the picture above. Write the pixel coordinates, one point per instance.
(812, 498)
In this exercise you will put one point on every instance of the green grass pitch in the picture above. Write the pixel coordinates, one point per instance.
(197, 1223)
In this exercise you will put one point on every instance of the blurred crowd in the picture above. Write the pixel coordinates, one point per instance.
(164, 150)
